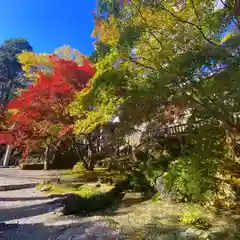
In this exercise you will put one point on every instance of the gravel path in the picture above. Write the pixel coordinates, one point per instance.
(27, 214)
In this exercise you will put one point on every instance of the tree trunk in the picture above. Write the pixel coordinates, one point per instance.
(90, 158)
(7, 156)
(91, 165)
(46, 163)
(233, 138)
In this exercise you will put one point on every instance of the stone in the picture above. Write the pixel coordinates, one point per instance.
(45, 188)
(164, 194)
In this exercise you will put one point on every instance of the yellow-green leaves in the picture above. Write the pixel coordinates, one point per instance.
(107, 31)
(99, 116)
(33, 63)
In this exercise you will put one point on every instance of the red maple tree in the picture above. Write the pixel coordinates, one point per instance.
(42, 108)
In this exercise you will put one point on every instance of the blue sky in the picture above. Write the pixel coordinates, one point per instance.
(48, 24)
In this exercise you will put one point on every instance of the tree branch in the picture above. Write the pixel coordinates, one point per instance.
(141, 64)
(143, 18)
(187, 22)
(192, 24)
(196, 13)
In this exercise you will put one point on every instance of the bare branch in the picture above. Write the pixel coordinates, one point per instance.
(225, 5)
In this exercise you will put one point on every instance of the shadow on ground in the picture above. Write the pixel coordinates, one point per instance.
(13, 199)
(88, 230)
(28, 211)
(58, 228)
(17, 186)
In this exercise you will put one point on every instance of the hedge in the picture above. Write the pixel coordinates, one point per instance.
(92, 200)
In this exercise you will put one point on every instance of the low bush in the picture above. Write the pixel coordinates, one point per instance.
(225, 196)
(193, 178)
(194, 216)
(78, 204)
(138, 181)
(78, 168)
(149, 170)
(88, 197)
(193, 175)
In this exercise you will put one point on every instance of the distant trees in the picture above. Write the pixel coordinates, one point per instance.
(11, 74)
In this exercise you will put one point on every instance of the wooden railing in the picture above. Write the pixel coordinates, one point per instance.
(168, 131)
(175, 130)
(182, 129)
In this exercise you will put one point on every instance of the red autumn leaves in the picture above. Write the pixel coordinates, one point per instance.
(44, 105)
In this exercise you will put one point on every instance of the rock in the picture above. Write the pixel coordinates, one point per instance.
(164, 194)
(45, 188)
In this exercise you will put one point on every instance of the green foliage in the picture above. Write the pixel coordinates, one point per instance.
(10, 68)
(155, 167)
(146, 69)
(109, 6)
(78, 168)
(148, 169)
(101, 50)
(192, 178)
(138, 181)
(86, 198)
(85, 191)
(99, 174)
(193, 175)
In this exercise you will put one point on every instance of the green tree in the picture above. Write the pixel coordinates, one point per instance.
(11, 75)
(162, 55)
(136, 71)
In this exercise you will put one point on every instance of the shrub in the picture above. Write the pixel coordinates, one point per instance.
(193, 175)
(194, 217)
(88, 197)
(149, 169)
(155, 166)
(192, 178)
(78, 167)
(78, 204)
(225, 197)
(138, 181)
